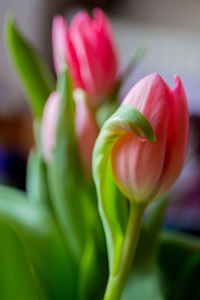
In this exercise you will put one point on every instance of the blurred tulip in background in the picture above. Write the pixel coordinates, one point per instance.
(87, 46)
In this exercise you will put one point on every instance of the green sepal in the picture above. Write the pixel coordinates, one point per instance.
(34, 74)
(65, 175)
(125, 119)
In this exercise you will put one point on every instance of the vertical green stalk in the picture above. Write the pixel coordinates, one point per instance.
(119, 277)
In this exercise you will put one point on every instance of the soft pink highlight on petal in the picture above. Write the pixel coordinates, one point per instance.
(177, 141)
(137, 165)
(59, 34)
(87, 131)
(49, 121)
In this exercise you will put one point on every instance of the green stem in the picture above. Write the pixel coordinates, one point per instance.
(117, 280)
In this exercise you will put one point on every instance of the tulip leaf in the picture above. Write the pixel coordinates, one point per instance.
(16, 277)
(36, 179)
(92, 273)
(65, 172)
(179, 260)
(42, 242)
(34, 74)
(125, 119)
(144, 283)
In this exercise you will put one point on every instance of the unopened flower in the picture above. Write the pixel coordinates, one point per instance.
(145, 170)
(87, 47)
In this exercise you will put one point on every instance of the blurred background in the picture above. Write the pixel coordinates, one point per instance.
(170, 30)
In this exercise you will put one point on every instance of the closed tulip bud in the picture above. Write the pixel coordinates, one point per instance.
(144, 170)
(87, 46)
(86, 128)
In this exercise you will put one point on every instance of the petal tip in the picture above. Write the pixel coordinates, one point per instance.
(178, 85)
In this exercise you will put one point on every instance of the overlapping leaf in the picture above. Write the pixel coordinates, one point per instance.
(125, 118)
(34, 74)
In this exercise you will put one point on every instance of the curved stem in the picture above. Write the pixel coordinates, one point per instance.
(118, 279)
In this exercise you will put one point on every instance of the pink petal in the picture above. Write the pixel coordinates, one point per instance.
(49, 121)
(177, 140)
(83, 52)
(59, 34)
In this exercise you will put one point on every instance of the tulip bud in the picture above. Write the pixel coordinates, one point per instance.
(88, 48)
(145, 170)
(86, 128)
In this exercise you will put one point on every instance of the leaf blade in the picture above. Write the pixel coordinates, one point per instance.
(35, 76)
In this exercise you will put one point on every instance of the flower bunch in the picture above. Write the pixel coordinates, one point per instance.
(89, 182)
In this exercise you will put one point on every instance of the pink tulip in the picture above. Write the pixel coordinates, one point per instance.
(145, 170)
(87, 46)
(85, 126)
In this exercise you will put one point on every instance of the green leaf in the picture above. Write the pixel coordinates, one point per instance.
(143, 283)
(65, 173)
(125, 119)
(16, 277)
(42, 242)
(35, 76)
(137, 57)
(187, 284)
(92, 272)
(179, 260)
(36, 179)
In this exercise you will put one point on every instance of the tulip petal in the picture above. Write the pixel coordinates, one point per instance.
(49, 121)
(177, 140)
(59, 34)
(83, 53)
(105, 50)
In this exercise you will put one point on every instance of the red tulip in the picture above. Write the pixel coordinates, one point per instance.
(145, 170)
(87, 46)
(86, 128)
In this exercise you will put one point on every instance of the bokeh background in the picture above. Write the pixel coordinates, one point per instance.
(170, 31)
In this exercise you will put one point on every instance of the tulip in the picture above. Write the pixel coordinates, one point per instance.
(86, 128)
(87, 46)
(143, 170)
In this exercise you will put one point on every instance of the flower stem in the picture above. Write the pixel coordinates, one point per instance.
(118, 279)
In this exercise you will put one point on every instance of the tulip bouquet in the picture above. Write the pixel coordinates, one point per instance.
(79, 231)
